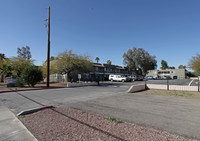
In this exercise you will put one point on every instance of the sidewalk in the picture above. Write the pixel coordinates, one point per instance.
(11, 128)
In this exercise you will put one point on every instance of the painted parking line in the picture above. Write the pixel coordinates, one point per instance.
(190, 82)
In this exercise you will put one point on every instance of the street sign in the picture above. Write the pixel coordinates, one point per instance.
(79, 76)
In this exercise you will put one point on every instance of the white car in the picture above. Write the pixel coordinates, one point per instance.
(121, 78)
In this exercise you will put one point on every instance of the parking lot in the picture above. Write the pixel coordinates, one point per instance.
(183, 82)
(175, 115)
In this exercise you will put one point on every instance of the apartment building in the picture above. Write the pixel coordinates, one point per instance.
(168, 73)
(102, 71)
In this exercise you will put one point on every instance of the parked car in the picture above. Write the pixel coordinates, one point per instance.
(139, 78)
(133, 77)
(129, 77)
(166, 77)
(121, 78)
(150, 77)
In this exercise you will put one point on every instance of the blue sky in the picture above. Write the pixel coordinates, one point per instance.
(168, 29)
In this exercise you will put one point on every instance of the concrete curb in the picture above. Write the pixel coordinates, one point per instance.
(136, 88)
(16, 90)
(30, 111)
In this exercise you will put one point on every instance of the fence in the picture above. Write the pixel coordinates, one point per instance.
(177, 84)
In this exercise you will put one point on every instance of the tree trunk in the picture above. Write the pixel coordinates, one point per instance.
(2, 78)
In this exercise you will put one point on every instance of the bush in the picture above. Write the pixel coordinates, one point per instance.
(31, 75)
(19, 82)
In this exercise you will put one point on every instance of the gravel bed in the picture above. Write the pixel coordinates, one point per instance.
(63, 124)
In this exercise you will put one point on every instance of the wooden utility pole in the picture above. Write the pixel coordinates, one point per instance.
(48, 47)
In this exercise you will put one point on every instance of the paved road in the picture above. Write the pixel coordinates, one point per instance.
(175, 115)
(18, 101)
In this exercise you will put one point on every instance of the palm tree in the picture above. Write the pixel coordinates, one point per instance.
(109, 62)
(2, 56)
(97, 59)
(5, 69)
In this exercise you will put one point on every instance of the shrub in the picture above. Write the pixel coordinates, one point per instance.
(19, 82)
(31, 75)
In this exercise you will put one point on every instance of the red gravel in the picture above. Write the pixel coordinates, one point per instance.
(61, 124)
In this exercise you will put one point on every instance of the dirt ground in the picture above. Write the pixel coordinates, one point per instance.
(187, 94)
(61, 124)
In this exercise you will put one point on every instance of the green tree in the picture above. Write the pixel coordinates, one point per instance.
(190, 74)
(52, 67)
(2, 56)
(24, 52)
(97, 59)
(164, 65)
(182, 67)
(109, 62)
(68, 62)
(18, 64)
(5, 69)
(172, 67)
(138, 60)
(194, 64)
(31, 75)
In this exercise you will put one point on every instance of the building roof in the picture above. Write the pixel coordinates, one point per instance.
(108, 65)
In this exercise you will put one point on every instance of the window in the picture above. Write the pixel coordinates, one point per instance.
(97, 68)
(166, 72)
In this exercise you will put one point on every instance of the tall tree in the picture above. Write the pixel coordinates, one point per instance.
(172, 67)
(2, 56)
(182, 67)
(2, 64)
(194, 64)
(68, 62)
(24, 52)
(18, 64)
(5, 67)
(164, 65)
(109, 62)
(97, 59)
(139, 60)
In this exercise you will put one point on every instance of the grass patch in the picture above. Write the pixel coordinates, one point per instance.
(189, 94)
(22, 116)
(173, 93)
(114, 120)
(111, 119)
(83, 112)
(119, 121)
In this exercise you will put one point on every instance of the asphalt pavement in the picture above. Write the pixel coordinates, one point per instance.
(172, 114)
